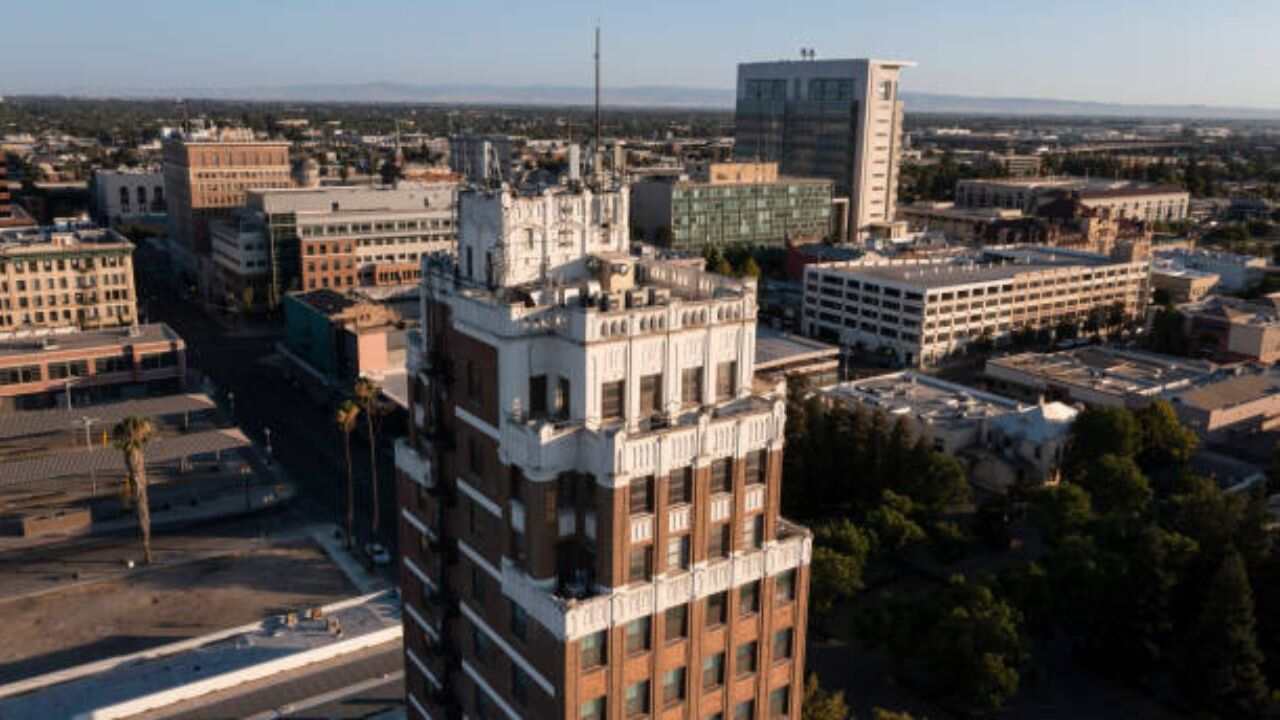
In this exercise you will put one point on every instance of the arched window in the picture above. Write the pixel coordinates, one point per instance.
(124, 196)
(142, 196)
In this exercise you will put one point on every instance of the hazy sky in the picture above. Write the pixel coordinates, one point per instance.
(1213, 52)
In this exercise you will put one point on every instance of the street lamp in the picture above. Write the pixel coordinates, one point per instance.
(87, 423)
(267, 431)
(231, 399)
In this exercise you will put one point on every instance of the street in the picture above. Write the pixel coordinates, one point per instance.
(303, 436)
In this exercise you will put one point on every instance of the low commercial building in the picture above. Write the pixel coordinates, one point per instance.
(336, 338)
(728, 204)
(1124, 199)
(797, 359)
(40, 369)
(128, 197)
(961, 224)
(1235, 272)
(1094, 375)
(1018, 165)
(65, 277)
(1003, 442)
(1233, 328)
(1183, 285)
(921, 311)
(1244, 400)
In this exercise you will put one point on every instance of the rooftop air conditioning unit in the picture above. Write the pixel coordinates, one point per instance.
(637, 297)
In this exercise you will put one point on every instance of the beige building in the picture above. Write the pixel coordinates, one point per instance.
(966, 225)
(1245, 400)
(921, 311)
(65, 277)
(1184, 285)
(1098, 376)
(204, 180)
(1234, 328)
(1125, 200)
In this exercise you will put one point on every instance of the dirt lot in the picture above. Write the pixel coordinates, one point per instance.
(116, 617)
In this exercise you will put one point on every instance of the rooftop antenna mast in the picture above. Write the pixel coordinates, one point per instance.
(598, 152)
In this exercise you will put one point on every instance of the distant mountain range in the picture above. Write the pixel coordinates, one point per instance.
(663, 96)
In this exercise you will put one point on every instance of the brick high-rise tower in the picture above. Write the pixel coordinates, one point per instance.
(589, 492)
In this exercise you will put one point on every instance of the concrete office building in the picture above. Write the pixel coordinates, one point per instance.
(334, 237)
(835, 119)
(920, 311)
(1242, 401)
(65, 277)
(128, 196)
(1184, 285)
(1234, 329)
(207, 179)
(589, 493)
(737, 203)
(1095, 375)
(1235, 272)
(481, 159)
(1123, 199)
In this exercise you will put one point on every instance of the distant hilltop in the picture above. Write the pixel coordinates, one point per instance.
(664, 96)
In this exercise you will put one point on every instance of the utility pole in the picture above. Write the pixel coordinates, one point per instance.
(598, 154)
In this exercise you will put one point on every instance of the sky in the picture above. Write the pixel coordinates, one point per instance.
(1222, 53)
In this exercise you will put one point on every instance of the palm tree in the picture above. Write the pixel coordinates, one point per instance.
(346, 417)
(131, 436)
(366, 396)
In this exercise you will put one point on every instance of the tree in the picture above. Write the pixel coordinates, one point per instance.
(366, 396)
(891, 524)
(1166, 445)
(346, 417)
(838, 563)
(1168, 332)
(1061, 510)
(1097, 432)
(941, 483)
(818, 704)
(1116, 484)
(131, 436)
(1223, 665)
(750, 268)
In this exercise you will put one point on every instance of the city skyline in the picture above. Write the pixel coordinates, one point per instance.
(1141, 53)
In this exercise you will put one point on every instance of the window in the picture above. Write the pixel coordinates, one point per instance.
(780, 703)
(637, 634)
(757, 467)
(650, 395)
(783, 644)
(785, 587)
(673, 686)
(717, 605)
(74, 368)
(481, 703)
(678, 553)
(641, 491)
(638, 699)
(477, 584)
(726, 380)
(611, 400)
(561, 403)
(713, 671)
(680, 486)
(481, 645)
(745, 710)
(640, 565)
(753, 532)
(594, 651)
(473, 381)
(721, 475)
(744, 660)
(718, 541)
(121, 363)
(749, 598)
(593, 709)
(519, 684)
(691, 386)
(538, 396)
(17, 375)
(676, 623)
(519, 622)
